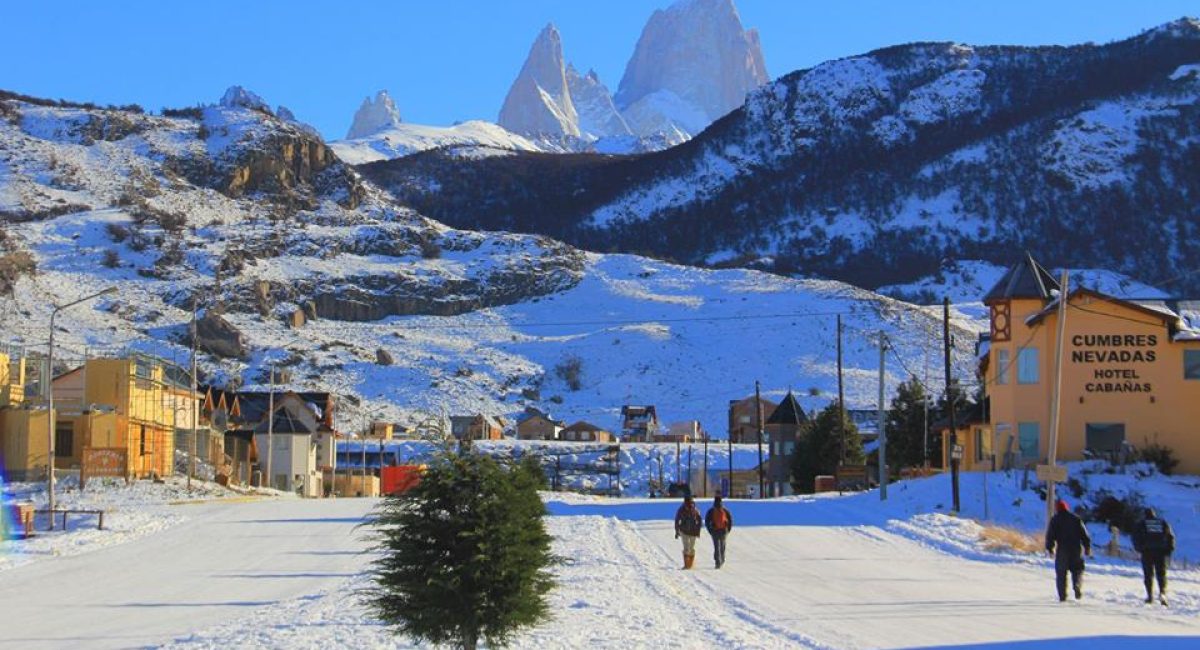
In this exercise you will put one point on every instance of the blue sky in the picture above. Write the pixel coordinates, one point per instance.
(451, 60)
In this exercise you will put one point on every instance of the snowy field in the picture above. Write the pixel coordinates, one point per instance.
(810, 572)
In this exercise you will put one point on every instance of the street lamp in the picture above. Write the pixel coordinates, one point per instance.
(50, 419)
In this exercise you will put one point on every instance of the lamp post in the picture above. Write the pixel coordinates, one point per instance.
(50, 419)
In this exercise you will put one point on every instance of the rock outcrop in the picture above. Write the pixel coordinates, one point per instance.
(539, 102)
(238, 97)
(218, 336)
(374, 116)
(693, 64)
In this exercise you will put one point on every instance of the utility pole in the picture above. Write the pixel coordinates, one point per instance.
(271, 429)
(678, 452)
(883, 467)
(730, 458)
(841, 398)
(1056, 403)
(705, 479)
(758, 418)
(950, 401)
(192, 453)
(925, 408)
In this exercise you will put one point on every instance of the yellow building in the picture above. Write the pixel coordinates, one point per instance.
(135, 404)
(1130, 373)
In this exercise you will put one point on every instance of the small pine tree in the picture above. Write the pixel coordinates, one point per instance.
(464, 556)
(818, 451)
(905, 425)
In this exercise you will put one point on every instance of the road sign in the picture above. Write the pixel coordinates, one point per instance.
(1052, 473)
(956, 452)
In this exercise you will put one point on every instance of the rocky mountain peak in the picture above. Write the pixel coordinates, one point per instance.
(539, 102)
(239, 97)
(598, 116)
(693, 63)
(374, 116)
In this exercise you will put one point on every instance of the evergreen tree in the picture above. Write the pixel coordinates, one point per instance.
(464, 556)
(818, 451)
(905, 425)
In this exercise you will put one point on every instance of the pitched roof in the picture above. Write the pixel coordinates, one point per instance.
(290, 417)
(788, 412)
(583, 426)
(1025, 279)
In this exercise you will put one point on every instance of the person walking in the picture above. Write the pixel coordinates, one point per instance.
(719, 522)
(1155, 540)
(687, 525)
(1067, 538)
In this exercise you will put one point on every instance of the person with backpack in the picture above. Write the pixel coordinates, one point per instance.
(687, 525)
(719, 522)
(1155, 540)
(1067, 538)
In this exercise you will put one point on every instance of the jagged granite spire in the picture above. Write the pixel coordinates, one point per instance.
(374, 116)
(693, 63)
(539, 102)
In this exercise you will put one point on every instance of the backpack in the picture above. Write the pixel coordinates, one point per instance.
(720, 521)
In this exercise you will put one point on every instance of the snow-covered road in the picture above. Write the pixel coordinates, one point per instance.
(822, 573)
(863, 587)
(226, 560)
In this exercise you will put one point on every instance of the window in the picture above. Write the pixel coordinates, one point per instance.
(1191, 364)
(1027, 438)
(64, 440)
(744, 419)
(1027, 366)
(789, 448)
(1002, 363)
(982, 447)
(142, 440)
(1105, 437)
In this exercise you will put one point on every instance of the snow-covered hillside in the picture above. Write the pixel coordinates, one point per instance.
(317, 272)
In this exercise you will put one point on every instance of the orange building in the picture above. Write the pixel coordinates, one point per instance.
(1130, 373)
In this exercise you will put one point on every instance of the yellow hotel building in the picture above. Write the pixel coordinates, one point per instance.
(1130, 374)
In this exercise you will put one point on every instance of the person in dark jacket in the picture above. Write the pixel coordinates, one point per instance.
(718, 521)
(1068, 539)
(1155, 540)
(687, 525)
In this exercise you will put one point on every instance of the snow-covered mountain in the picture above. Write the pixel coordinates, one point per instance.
(880, 169)
(297, 261)
(693, 63)
(374, 116)
(468, 139)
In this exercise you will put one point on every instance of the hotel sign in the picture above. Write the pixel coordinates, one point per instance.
(1119, 355)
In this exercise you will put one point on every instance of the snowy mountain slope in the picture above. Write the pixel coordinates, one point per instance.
(539, 102)
(319, 272)
(467, 138)
(875, 168)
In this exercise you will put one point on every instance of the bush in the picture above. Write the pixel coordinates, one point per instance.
(111, 259)
(12, 266)
(1161, 456)
(430, 249)
(1124, 512)
(117, 232)
(570, 370)
(464, 556)
(190, 112)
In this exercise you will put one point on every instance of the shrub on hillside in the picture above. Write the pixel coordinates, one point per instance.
(12, 266)
(570, 370)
